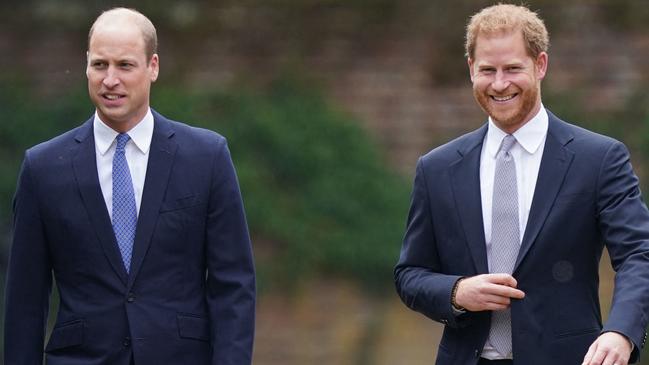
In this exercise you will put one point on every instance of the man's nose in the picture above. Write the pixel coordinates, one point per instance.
(501, 83)
(112, 78)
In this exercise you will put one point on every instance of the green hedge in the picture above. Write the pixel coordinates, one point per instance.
(319, 198)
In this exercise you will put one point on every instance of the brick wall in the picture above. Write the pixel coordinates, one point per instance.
(386, 78)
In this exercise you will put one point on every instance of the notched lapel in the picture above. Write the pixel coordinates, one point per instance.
(163, 150)
(465, 179)
(85, 172)
(554, 165)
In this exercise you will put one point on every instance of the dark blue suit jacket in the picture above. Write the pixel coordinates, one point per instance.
(586, 197)
(190, 294)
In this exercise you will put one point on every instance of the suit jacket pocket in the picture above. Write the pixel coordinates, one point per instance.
(575, 198)
(66, 335)
(193, 326)
(180, 203)
(576, 333)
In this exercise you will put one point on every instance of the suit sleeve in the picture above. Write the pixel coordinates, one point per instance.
(29, 278)
(624, 223)
(231, 274)
(418, 278)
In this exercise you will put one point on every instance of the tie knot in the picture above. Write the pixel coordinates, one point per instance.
(507, 144)
(122, 138)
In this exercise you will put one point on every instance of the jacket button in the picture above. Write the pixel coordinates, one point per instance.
(127, 342)
(131, 297)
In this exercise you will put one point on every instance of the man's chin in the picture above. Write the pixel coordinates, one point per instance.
(506, 121)
(503, 118)
(111, 117)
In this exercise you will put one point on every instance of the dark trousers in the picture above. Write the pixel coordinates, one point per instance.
(484, 361)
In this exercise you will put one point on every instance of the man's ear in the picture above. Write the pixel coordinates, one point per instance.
(87, 62)
(541, 64)
(470, 63)
(154, 65)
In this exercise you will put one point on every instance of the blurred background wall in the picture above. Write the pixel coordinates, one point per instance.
(326, 105)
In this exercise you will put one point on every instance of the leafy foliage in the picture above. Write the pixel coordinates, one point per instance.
(318, 197)
(26, 120)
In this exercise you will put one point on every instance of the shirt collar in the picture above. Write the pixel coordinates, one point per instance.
(529, 136)
(141, 134)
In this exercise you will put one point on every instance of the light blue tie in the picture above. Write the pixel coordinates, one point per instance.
(124, 210)
(505, 238)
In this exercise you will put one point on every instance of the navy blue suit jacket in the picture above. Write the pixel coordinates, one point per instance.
(190, 294)
(586, 197)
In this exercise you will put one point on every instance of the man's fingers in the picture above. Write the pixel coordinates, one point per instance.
(611, 360)
(514, 293)
(497, 299)
(589, 354)
(597, 358)
(504, 291)
(502, 279)
(598, 355)
(487, 292)
(505, 285)
(610, 348)
(497, 303)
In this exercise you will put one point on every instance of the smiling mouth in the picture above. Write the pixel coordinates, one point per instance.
(112, 96)
(502, 99)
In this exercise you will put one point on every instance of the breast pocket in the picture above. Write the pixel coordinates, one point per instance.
(180, 203)
(178, 213)
(578, 198)
(179, 223)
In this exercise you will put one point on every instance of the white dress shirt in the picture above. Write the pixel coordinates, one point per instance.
(527, 153)
(137, 156)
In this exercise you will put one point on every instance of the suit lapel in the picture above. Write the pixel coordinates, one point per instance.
(161, 156)
(554, 166)
(85, 172)
(465, 178)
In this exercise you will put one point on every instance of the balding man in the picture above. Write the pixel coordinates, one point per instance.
(139, 220)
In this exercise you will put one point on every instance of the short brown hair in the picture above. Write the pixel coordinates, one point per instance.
(146, 27)
(507, 18)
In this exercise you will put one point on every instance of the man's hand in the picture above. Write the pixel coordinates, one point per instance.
(487, 292)
(610, 348)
